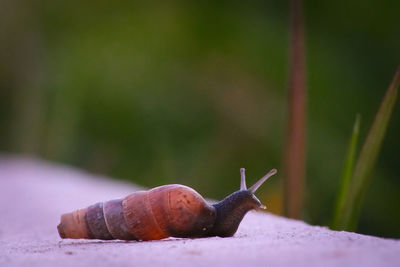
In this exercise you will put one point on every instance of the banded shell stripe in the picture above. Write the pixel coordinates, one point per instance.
(96, 223)
(115, 220)
(140, 218)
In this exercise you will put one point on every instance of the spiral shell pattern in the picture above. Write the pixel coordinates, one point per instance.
(170, 210)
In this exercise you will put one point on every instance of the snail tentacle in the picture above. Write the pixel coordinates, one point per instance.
(242, 179)
(254, 187)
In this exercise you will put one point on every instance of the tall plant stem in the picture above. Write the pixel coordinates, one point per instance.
(294, 158)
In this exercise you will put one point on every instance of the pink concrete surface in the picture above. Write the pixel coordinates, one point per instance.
(33, 195)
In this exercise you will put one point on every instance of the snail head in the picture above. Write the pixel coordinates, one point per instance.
(255, 186)
(231, 210)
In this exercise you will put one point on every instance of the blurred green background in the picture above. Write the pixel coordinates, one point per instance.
(190, 91)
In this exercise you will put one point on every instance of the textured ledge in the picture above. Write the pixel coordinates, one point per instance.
(34, 194)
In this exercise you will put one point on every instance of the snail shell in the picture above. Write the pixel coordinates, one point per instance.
(164, 211)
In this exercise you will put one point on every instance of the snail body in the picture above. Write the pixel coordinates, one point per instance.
(165, 211)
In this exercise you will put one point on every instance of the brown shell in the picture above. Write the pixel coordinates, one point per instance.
(169, 210)
(73, 225)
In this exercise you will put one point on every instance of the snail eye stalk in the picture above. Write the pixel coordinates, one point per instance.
(242, 179)
(254, 187)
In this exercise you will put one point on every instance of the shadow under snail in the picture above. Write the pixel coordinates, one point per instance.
(165, 211)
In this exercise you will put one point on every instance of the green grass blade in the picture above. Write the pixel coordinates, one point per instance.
(365, 164)
(346, 176)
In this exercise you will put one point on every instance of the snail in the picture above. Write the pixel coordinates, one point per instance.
(165, 211)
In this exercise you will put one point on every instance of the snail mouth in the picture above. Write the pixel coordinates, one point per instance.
(262, 207)
(259, 205)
